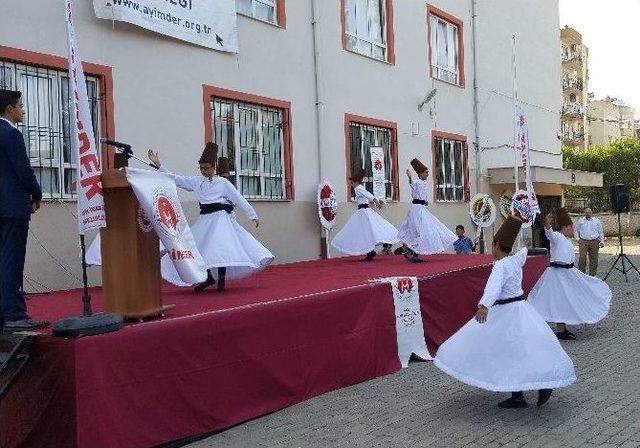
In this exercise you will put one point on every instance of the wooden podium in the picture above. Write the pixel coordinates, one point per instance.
(130, 256)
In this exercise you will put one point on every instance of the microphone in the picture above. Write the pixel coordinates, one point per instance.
(114, 143)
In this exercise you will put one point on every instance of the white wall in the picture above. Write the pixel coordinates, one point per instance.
(539, 86)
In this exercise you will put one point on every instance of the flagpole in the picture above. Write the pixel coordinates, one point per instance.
(86, 298)
(515, 102)
(514, 64)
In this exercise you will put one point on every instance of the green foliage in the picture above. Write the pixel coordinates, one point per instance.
(619, 161)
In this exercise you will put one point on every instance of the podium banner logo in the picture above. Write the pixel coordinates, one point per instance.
(158, 197)
(409, 329)
(208, 23)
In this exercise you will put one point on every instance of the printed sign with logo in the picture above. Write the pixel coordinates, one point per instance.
(521, 209)
(409, 329)
(158, 198)
(379, 175)
(208, 23)
(327, 204)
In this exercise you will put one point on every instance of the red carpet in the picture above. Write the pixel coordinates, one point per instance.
(283, 336)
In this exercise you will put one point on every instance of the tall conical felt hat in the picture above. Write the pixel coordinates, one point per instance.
(223, 166)
(508, 232)
(210, 154)
(358, 175)
(563, 218)
(418, 166)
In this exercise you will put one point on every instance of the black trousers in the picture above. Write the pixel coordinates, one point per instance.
(13, 247)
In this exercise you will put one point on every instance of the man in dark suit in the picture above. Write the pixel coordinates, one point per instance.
(20, 196)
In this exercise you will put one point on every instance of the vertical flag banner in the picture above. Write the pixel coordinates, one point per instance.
(89, 181)
(377, 167)
(523, 146)
(158, 197)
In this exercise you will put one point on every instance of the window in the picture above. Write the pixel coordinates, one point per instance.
(361, 138)
(47, 123)
(265, 10)
(446, 47)
(450, 175)
(368, 28)
(252, 137)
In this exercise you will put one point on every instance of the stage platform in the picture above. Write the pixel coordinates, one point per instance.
(289, 333)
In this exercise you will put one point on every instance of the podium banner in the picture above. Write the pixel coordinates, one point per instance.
(158, 197)
(409, 329)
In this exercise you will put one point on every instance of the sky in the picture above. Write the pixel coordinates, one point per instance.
(611, 31)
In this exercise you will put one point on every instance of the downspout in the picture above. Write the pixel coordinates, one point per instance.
(317, 64)
(476, 112)
(476, 117)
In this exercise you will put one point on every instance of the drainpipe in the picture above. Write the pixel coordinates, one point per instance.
(317, 69)
(476, 117)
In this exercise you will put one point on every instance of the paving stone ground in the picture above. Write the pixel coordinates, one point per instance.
(422, 407)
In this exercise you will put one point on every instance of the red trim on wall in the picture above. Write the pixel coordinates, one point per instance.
(102, 72)
(390, 35)
(393, 127)
(209, 92)
(465, 162)
(432, 10)
(281, 13)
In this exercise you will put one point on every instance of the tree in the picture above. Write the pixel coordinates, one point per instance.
(619, 161)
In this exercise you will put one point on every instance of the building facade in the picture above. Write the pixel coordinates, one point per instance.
(575, 79)
(315, 85)
(610, 120)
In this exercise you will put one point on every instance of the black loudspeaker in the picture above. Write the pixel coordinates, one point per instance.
(619, 198)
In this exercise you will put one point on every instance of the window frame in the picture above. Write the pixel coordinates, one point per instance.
(279, 12)
(460, 62)
(466, 189)
(211, 93)
(387, 32)
(390, 126)
(100, 74)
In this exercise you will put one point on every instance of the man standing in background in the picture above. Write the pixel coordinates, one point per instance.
(20, 196)
(590, 236)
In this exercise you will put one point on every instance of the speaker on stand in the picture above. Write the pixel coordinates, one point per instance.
(620, 204)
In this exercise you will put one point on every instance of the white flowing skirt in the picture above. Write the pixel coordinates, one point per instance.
(364, 230)
(513, 350)
(570, 296)
(222, 242)
(424, 233)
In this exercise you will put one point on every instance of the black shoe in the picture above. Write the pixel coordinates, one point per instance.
(25, 324)
(369, 256)
(205, 284)
(221, 284)
(543, 396)
(566, 335)
(513, 402)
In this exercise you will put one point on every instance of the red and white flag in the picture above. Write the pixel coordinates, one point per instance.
(89, 181)
(523, 147)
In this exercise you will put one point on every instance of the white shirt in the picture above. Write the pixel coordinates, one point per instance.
(419, 189)
(13, 125)
(217, 190)
(505, 280)
(362, 195)
(589, 229)
(561, 247)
